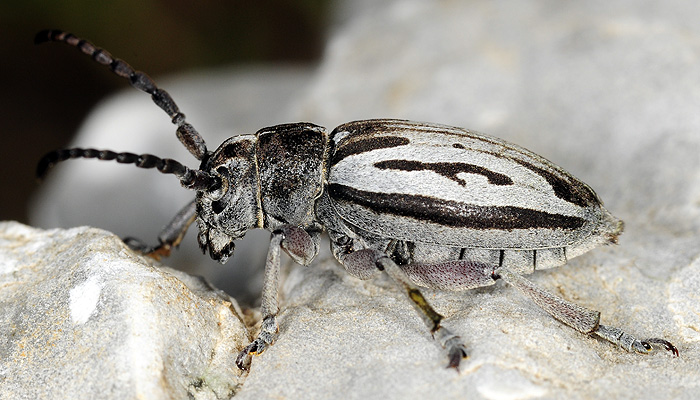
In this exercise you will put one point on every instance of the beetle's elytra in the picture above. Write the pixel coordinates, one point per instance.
(431, 205)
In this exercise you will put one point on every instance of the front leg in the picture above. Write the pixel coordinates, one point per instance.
(302, 247)
(170, 237)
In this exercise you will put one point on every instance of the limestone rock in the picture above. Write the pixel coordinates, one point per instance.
(83, 317)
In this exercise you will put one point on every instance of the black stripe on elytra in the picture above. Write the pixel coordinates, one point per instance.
(360, 146)
(452, 213)
(565, 187)
(447, 169)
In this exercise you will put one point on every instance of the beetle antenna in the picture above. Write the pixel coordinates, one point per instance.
(187, 134)
(189, 178)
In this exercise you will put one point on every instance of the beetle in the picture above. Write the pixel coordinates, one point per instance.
(431, 205)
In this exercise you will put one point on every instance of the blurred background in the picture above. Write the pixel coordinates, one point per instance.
(48, 90)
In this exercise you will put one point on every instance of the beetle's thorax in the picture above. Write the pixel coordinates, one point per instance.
(290, 168)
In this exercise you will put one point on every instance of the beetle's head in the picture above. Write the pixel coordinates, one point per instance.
(228, 209)
(226, 185)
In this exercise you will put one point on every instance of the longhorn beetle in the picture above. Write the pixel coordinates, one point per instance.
(431, 205)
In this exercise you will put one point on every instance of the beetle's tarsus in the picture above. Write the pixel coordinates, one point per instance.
(137, 245)
(162, 250)
(456, 350)
(655, 342)
(630, 343)
(169, 238)
(456, 357)
(245, 358)
(266, 337)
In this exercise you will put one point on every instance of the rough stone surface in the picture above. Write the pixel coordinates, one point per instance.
(82, 317)
(609, 90)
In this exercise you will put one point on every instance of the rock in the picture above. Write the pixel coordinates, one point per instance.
(607, 90)
(83, 317)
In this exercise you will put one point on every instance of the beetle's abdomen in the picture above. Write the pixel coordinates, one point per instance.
(446, 186)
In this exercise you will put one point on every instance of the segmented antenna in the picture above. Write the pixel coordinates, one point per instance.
(189, 178)
(187, 134)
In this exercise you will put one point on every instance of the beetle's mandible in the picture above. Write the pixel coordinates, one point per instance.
(431, 205)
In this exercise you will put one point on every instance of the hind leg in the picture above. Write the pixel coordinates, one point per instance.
(580, 318)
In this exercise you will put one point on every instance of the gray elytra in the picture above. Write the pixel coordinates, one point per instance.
(431, 205)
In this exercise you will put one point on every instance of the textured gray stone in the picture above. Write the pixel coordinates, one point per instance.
(606, 89)
(82, 317)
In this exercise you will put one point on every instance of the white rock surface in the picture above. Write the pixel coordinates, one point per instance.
(82, 317)
(608, 90)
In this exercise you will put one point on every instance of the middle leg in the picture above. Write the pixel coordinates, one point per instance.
(450, 275)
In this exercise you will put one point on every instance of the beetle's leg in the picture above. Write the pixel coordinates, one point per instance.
(628, 342)
(170, 236)
(456, 351)
(302, 247)
(580, 318)
(361, 263)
